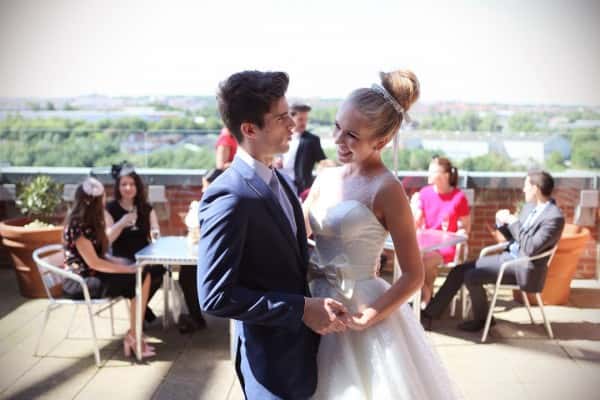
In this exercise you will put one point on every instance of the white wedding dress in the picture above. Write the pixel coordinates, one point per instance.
(392, 359)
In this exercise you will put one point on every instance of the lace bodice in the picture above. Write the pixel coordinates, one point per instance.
(348, 236)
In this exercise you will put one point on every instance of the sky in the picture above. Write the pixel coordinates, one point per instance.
(518, 52)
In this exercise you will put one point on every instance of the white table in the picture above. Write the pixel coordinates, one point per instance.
(167, 251)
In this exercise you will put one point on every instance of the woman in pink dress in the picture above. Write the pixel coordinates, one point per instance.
(440, 205)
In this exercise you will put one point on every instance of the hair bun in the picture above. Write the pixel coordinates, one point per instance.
(403, 85)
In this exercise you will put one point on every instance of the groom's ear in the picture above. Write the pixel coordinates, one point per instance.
(249, 130)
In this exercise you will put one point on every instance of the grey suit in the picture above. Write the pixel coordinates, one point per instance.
(534, 238)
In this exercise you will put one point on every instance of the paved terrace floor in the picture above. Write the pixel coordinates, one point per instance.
(519, 362)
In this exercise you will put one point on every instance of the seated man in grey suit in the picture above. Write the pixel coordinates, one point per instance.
(536, 230)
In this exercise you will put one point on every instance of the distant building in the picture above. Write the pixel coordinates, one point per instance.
(523, 151)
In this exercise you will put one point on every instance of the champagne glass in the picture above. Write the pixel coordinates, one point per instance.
(445, 222)
(133, 226)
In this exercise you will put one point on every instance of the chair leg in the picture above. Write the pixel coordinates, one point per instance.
(44, 323)
(127, 303)
(488, 320)
(546, 321)
(526, 302)
(465, 304)
(67, 336)
(94, 339)
(112, 318)
(166, 289)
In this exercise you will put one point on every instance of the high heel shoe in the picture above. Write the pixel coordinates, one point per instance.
(129, 347)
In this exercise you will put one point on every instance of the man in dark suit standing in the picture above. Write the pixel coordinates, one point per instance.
(536, 230)
(304, 152)
(252, 254)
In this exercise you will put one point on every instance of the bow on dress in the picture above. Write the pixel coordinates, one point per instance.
(338, 272)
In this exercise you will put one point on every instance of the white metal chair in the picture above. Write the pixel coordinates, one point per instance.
(53, 275)
(519, 263)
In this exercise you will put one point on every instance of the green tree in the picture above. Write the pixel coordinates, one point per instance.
(489, 123)
(489, 162)
(522, 122)
(469, 121)
(555, 162)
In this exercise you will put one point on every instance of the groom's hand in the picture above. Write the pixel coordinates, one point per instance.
(324, 315)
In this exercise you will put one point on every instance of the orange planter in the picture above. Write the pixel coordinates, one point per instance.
(20, 243)
(563, 266)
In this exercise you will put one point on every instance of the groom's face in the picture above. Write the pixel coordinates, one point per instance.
(274, 137)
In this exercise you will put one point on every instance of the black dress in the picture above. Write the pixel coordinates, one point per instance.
(100, 284)
(131, 241)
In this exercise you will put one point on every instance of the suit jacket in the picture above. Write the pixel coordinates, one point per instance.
(251, 268)
(309, 152)
(536, 238)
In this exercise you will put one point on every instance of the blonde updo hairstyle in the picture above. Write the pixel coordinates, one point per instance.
(402, 85)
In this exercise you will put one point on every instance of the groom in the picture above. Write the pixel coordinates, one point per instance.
(252, 258)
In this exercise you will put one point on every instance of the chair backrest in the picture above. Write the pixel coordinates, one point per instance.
(49, 260)
(158, 198)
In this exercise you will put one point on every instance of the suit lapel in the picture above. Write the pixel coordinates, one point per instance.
(538, 220)
(272, 204)
(299, 216)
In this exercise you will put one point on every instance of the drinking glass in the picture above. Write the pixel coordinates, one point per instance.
(134, 227)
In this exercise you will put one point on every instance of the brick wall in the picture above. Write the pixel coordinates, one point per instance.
(487, 202)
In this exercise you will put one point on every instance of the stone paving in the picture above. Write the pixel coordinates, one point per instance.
(518, 362)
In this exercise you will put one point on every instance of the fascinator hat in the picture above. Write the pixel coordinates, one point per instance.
(123, 169)
(92, 187)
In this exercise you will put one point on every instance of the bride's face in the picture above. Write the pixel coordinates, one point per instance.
(353, 136)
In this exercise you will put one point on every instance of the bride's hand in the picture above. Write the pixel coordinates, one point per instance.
(362, 320)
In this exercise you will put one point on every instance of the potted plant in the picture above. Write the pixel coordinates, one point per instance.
(38, 200)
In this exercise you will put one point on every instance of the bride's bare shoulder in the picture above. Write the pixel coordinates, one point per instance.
(390, 187)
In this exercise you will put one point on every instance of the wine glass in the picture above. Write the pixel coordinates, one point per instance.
(445, 222)
(133, 226)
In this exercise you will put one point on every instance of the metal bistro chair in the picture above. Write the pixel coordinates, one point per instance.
(519, 263)
(53, 275)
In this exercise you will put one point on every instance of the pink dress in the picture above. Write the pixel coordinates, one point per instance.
(436, 206)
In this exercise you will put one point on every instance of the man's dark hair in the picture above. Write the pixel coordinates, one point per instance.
(247, 96)
(543, 180)
(296, 108)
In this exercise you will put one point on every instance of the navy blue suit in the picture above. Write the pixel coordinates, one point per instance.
(251, 268)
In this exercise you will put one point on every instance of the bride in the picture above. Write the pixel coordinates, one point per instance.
(384, 353)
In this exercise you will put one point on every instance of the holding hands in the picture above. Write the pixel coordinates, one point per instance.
(326, 315)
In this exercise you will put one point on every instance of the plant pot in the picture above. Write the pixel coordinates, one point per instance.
(562, 267)
(20, 243)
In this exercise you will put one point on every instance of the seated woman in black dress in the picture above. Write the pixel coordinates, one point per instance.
(85, 244)
(130, 222)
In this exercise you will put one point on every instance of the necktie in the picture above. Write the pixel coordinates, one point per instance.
(530, 218)
(284, 202)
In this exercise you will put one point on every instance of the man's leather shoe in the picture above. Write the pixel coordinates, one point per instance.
(426, 321)
(474, 325)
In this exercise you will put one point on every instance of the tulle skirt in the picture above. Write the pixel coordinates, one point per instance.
(390, 360)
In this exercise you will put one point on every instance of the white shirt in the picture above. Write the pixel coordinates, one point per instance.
(266, 174)
(289, 158)
(263, 171)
